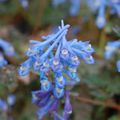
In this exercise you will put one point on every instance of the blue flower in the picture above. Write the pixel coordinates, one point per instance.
(60, 80)
(40, 97)
(11, 99)
(45, 85)
(55, 105)
(24, 3)
(100, 6)
(58, 92)
(75, 7)
(3, 105)
(56, 60)
(8, 51)
(67, 107)
(118, 65)
(25, 67)
(101, 20)
(115, 6)
(111, 49)
(7, 48)
(3, 62)
(44, 110)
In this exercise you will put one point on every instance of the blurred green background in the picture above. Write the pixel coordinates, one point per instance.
(99, 90)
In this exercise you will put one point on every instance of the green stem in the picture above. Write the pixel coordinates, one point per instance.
(102, 42)
(103, 39)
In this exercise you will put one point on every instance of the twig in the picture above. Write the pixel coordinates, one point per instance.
(96, 102)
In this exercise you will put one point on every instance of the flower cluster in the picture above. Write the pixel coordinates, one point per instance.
(74, 5)
(3, 105)
(8, 51)
(56, 60)
(111, 48)
(100, 6)
(118, 65)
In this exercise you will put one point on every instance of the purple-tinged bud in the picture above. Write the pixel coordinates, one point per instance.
(67, 107)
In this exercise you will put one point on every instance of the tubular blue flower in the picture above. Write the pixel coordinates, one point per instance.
(84, 55)
(56, 60)
(43, 111)
(67, 107)
(101, 20)
(74, 60)
(100, 6)
(111, 48)
(3, 105)
(24, 3)
(93, 4)
(11, 99)
(38, 66)
(58, 92)
(75, 7)
(3, 62)
(45, 85)
(64, 54)
(7, 105)
(8, 51)
(37, 96)
(72, 76)
(56, 65)
(60, 81)
(115, 6)
(25, 67)
(118, 65)
(54, 106)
